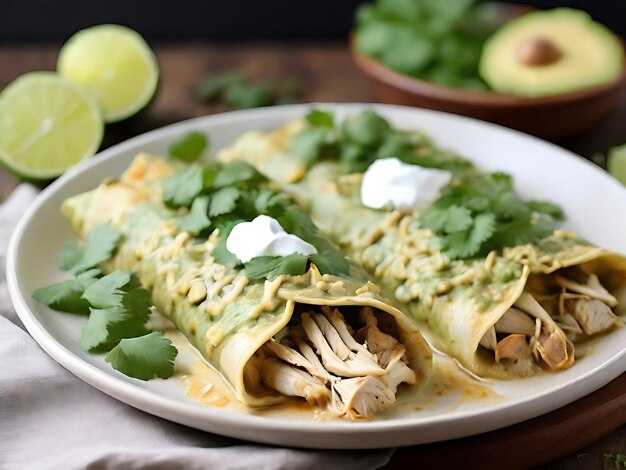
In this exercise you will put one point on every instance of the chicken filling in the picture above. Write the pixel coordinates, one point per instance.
(539, 329)
(324, 360)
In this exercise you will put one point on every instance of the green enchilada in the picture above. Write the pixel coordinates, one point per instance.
(330, 338)
(488, 275)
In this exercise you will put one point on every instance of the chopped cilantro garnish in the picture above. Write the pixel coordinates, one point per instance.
(360, 139)
(479, 213)
(224, 200)
(144, 357)
(189, 149)
(182, 188)
(236, 192)
(231, 89)
(97, 248)
(197, 219)
(107, 327)
(65, 296)
(117, 306)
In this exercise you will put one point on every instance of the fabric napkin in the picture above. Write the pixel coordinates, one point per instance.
(49, 419)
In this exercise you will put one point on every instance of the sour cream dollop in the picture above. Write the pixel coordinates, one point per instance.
(264, 236)
(391, 182)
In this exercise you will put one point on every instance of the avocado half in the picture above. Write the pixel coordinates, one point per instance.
(549, 53)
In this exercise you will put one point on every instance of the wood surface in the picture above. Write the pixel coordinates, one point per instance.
(577, 435)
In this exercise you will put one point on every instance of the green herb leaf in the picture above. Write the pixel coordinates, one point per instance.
(272, 266)
(447, 220)
(331, 262)
(236, 172)
(308, 143)
(214, 87)
(144, 357)
(107, 327)
(70, 256)
(189, 149)
(544, 207)
(220, 253)
(107, 292)
(182, 188)
(248, 95)
(99, 246)
(367, 128)
(197, 219)
(468, 243)
(65, 296)
(224, 200)
(321, 118)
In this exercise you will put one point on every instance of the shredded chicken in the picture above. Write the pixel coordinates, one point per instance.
(291, 381)
(593, 315)
(323, 361)
(550, 342)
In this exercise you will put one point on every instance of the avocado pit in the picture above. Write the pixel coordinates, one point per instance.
(538, 51)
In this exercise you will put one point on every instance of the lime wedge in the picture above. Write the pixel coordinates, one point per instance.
(616, 163)
(115, 65)
(47, 124)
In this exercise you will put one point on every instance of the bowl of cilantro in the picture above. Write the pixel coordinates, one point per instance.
(426, 53)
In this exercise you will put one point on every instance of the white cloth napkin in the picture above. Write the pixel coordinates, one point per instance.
(51, 419)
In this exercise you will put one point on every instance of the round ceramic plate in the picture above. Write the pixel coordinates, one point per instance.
(593, 201)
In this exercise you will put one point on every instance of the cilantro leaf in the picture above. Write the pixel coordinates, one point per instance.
(272, 266)
(107, 327)
(107, 292)
(248, 95)
(70, 255)
(144, 357)
(189, 149)
(235, 172)
(99, 246)
(65, 296)
(220, 253)
(139, 302)
(320, 118)
(544, 207)
(367, 128)
(214, 87)
(468, 243)
(182, 188)
(331, 262)
(447, 220)
(196, 220)
(308, 143)
(224, 200)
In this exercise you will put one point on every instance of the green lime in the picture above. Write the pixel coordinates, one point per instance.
(616, 163)
(47, 124)
(115, 65)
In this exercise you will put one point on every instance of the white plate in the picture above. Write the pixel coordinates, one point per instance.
(594, 202)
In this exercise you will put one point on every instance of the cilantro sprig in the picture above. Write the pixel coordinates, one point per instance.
(230, 88)
(190, 147)
(479, 213)
(219, 196)
(117, 308)
(363, 138)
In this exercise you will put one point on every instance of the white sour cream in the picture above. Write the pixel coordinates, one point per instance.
(264, 236)
(391, 182)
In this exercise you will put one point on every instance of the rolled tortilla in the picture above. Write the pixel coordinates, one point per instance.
(264, 337)
(509, 314)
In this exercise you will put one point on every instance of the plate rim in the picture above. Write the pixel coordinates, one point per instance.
(221, 420)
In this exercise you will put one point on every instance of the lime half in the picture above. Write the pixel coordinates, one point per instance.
(115, 65)
(616, 163)
(47, 124)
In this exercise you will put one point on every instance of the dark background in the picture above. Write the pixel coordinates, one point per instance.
(219, 20)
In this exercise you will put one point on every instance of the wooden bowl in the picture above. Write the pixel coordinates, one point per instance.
(554, 117)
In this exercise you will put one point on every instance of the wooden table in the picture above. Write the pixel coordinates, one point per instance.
(580, 433)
